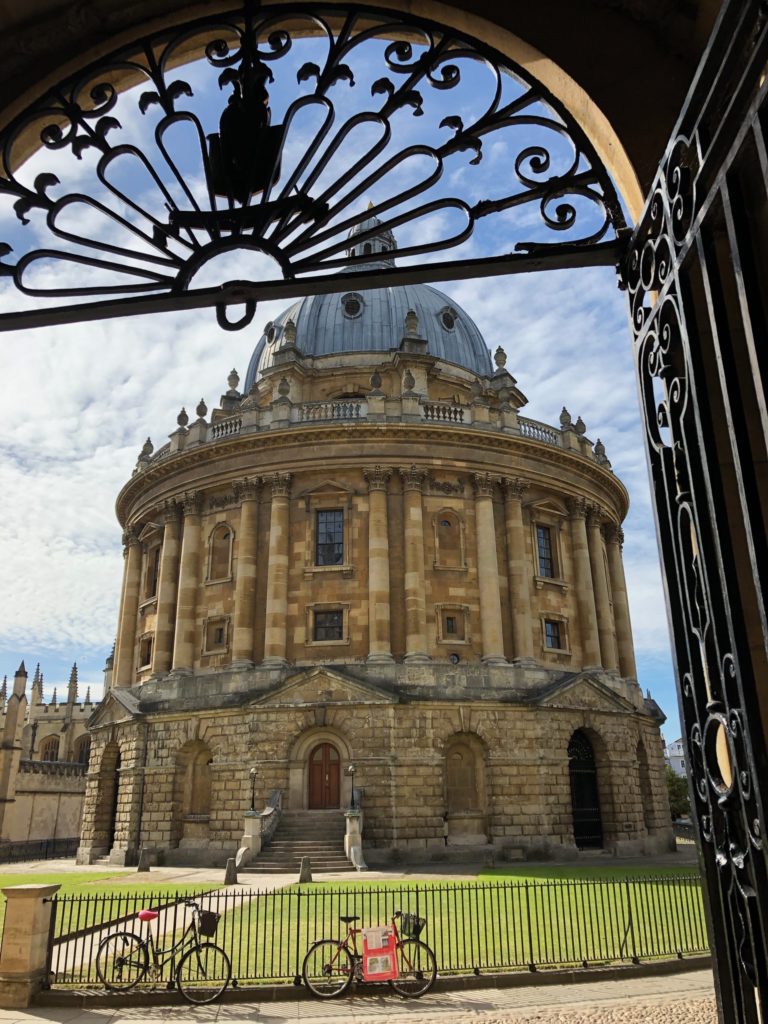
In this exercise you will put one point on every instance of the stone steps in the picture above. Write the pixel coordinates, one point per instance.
(318, 835)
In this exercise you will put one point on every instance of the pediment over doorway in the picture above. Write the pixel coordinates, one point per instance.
(585, 691)
(118, 706)
(324, 686)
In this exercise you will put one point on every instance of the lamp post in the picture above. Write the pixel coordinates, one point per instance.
(350, 771)
(252, 774)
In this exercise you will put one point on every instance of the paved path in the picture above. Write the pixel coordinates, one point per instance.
(673, 999)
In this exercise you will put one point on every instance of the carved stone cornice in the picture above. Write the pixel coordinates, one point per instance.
(191, 503)
(484, 484)
(247, 489)
(595, 515)
(577, 508)
(170, 512)
(613, 534)
(377, 477)
(413, 478)
(444, 486)
(281, 485)
(514, 487)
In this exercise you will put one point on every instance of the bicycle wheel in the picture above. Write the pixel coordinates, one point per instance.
(203, 973)
(417, 968)
(121, 961)
(327, 968)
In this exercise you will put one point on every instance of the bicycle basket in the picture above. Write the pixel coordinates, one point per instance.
(412, 926)
(209, 922)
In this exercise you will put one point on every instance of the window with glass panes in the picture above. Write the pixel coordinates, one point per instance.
(329, 625)
(329, 537)
(552, 634)
(544, 544)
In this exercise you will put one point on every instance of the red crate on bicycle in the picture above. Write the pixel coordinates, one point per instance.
(380, 954)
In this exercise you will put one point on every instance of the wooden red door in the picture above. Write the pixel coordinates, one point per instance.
(324, 777)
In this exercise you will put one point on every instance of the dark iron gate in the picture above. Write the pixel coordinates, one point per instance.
(585, 799)
(696, 274)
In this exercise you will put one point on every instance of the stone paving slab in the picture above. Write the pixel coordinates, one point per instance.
(673, 999)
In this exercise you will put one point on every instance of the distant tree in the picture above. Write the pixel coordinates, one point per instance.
(677, 788)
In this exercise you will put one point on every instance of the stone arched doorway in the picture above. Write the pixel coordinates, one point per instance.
(192, 794)
(465, 790)
(324, 778)
(107, 800)
(585, 793)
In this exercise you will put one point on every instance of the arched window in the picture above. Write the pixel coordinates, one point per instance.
(464, 775)
(83, 750)
(49, 749)
(449, 540)
(220, 553)
(585, 801)
(192, 791)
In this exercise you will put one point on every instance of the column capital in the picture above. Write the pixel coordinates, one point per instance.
(613, 534)
(413, 478)
(130, 538)
(191, 503)
(484, 484)
(247, 489)
(514, 487)
(171, 512)
(577, 508)
(377, 477)
(281, 485)
(595, 515)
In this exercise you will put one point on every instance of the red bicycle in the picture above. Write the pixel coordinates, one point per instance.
(331, 964)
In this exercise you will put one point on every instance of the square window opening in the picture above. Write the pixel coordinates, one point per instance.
(329, 625)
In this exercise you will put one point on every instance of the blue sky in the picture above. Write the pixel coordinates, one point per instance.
(78, 401)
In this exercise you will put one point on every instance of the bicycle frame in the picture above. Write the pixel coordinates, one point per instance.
(162, 956)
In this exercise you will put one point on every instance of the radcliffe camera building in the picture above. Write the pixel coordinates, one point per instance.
(368, 556)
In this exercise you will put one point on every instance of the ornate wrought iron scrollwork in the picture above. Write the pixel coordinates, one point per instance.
(133, 191)
(671, 326)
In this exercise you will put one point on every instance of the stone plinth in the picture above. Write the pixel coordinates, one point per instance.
(24, 953)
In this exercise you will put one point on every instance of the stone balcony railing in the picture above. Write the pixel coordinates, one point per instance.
(59, 768)
(407, 408)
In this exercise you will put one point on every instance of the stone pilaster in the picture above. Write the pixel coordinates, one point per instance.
(614, 540)
(518, 570)
(488, 572)
(167, 591)
(415, 584)
(245, 584)
(129, 610)
(379, 643)
(275, 635)
(597, 560)
(585, 597)
(184, 646)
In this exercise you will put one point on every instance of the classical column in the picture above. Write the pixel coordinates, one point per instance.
(614, 540)
(129, 610)
(184, 646)
(275, 635)
(245, 584)
(415, 585)
(597, 560)
(518, 570)
(488, 572)
(585, 598)
(167, 590)
(379, 646)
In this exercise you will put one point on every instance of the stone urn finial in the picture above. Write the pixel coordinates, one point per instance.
(565, 418)
(182, 419)
(289, 332)
(284, 388)
(233, 380)
(411, 324)
(500, 357)
(147, 449)
(202, 409)
(375, 379)
(581, 427)
(409, 381)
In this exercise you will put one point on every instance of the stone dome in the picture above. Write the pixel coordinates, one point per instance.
(374, 321)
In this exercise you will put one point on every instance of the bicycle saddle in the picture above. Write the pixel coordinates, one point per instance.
(147, 915)
(349, 920)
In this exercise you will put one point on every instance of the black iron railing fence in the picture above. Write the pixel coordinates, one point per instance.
(489, 926)
(38, 849)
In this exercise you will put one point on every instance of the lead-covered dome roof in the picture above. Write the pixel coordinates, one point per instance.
(374, 321)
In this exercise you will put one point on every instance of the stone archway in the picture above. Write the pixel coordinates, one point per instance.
(466, 800)
(328, 748)
(106, 804)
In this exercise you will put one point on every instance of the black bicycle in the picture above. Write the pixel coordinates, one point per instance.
(202, 969)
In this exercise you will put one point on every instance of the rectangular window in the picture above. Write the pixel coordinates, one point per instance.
(329, 537)
(215, 635)
(145, 651)
(544, 545)
(329, 625)
(450, 624)
(552, 637)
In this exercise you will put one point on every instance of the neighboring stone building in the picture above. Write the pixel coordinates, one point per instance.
(369, 556)
(674, 755)
(43, 760)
